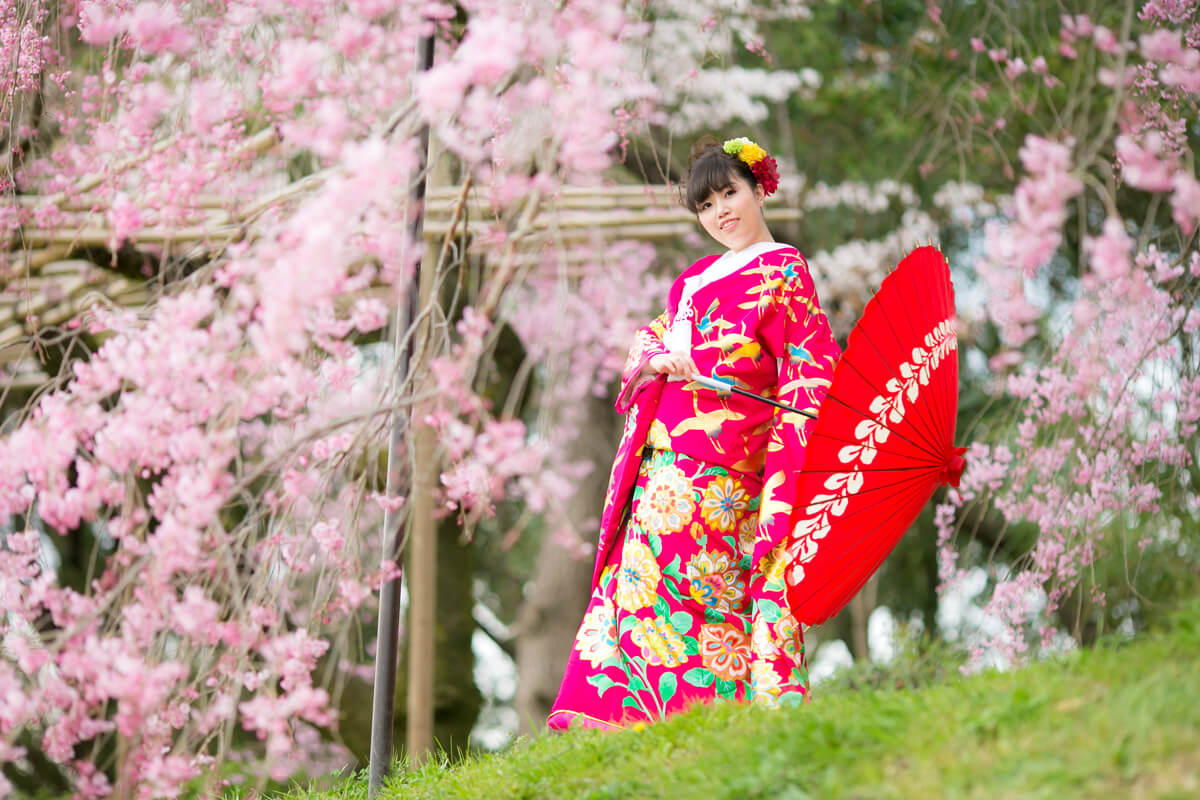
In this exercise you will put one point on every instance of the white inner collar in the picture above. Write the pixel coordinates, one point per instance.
(679, 335)
(730, 262)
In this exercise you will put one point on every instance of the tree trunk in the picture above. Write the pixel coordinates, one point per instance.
(456, 698)
(861, 606)
(558, 593)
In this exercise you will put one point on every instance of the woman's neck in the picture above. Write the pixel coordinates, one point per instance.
(767, 239)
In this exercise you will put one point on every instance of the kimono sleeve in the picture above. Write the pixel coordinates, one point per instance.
(647, 343)
(797, 333)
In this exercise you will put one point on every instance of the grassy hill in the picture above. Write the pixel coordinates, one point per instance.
(1119, 721)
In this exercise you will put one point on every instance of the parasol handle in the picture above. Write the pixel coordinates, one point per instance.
(725, 387)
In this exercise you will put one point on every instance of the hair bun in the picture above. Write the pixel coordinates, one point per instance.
(701, 146)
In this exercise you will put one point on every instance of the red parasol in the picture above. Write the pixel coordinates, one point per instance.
(884, 438)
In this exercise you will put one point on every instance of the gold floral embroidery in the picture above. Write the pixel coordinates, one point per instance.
(715, 580)
(597, 639)
(787, 636)
(725, 650)
(746, 530)
(660, 643)
(760, 635)
(637, 582)
(724, 501)
(765, 684)
(658, 438)
(772, 566)
(667, 504)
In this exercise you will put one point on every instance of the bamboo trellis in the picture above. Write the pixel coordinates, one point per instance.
(47, 286)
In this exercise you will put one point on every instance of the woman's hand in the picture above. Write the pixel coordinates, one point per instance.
(678, 364)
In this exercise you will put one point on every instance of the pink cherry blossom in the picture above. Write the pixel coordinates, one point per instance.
(158, 27)
(1185, 202)
(1141, 165)
(1105, 40)
(1110, 252)
(1161, 45)
(96, 24)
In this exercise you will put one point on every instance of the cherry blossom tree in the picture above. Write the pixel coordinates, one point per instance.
(222, 443)
(1098, 369)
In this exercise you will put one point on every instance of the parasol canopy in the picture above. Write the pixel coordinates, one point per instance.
(883, 440)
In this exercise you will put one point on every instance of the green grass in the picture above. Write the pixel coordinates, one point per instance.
(1118, 721)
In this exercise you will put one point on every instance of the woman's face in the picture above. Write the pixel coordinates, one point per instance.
(733, 215)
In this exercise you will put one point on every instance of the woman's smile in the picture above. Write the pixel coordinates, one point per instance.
(733, 215)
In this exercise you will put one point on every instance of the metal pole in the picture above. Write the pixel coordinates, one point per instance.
(383, 704)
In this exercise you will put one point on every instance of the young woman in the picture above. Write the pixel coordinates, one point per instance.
(688, 598)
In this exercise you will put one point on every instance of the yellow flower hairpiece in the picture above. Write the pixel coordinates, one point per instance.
(746, 150)
(761, 165)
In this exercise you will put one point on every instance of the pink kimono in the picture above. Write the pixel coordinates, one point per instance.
(688, 597)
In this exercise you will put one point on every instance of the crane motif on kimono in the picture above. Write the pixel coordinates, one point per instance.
(727, 343)
(708, 322)
(710, 422)
(767, 291)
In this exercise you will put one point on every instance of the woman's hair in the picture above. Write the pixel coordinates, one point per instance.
(711, 169)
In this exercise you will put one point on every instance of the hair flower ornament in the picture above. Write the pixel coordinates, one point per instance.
(761, 165)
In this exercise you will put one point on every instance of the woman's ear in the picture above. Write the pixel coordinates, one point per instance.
(759, 193)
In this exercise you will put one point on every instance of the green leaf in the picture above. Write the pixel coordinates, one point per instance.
(699, 676)
(631, 702)
(691, 647)
(712, 616)
(673, 590)
(660, 459)
(662, 608)
(628, 621)
(720, 472)
(655, 544)
(682, 621)
(636, 684)
(667, 684)
(769, 609)
(726, 689)
(672, 569)
(602, 683)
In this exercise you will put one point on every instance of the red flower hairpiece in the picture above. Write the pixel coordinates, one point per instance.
(762, 166)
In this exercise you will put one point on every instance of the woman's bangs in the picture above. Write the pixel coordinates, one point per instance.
(708, 175)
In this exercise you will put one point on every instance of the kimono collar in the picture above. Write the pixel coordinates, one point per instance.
(726, 265)
(678, 337)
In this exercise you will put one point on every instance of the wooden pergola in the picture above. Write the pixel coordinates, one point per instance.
(49, 284)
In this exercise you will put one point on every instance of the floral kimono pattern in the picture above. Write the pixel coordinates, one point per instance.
(688, 594)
